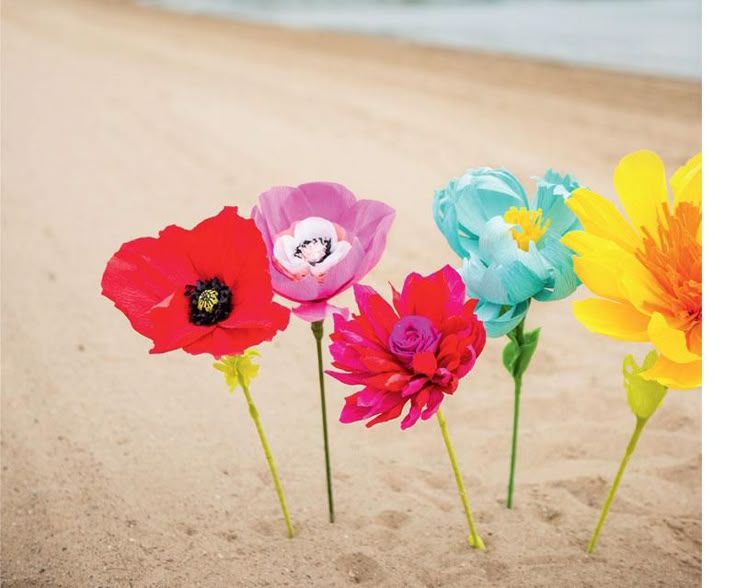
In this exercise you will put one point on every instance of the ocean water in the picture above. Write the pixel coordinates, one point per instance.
(661, 37)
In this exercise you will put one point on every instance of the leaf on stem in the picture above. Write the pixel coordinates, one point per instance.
(517, 354)
(644, 396)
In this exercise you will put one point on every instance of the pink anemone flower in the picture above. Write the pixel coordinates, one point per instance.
(415, 352)
(321, 240)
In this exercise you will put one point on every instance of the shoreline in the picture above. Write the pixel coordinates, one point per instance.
(466, 26)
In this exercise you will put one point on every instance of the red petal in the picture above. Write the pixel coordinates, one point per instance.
(425, 363)
(143, 273)
(171, 328)
(221, 342)
(231, 247)
(435, 296)
(393, 413)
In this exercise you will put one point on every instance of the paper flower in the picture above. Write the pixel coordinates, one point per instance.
(512, 254)
(205, 290)
(510, 245)
(414, 353)
(648, 272)
(321, 240)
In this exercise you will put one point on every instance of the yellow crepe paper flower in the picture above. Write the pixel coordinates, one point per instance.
(648, 271)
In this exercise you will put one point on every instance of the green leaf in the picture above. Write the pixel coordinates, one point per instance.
(526, 351)
(510, 356)
(644, 396)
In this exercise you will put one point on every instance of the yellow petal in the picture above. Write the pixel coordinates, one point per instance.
(687, 182)
(641, 184)
(680, 376)
(618, 320)
(600, 217)
(669, 341)
(640, 288)
(599, 273)
(583, 242)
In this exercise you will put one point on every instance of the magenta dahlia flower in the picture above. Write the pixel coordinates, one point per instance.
(414, 352)
(321, 240)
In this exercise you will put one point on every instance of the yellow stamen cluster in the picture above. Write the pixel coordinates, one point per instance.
(208, 300)
(531, 224)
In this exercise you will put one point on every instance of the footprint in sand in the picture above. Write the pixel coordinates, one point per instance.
(392, 519)
(359, 568)
(229, 536)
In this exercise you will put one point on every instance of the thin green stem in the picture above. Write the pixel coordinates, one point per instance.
(640, 422)
(474, 539)
(514, 437)
(318, 331)
(519, 336)
(269, 458)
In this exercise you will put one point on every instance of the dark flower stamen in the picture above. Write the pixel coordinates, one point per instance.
(314, 251)
(210, 301)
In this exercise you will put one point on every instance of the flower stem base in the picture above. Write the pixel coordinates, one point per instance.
(640, 422)
(269, 458)
(474, 538)
(318, 332)
(514, 440)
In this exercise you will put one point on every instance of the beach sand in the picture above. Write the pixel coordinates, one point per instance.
(125, 469)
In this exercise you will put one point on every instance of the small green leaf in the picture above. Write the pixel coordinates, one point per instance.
(526, 351)
(644, 396)
(510, 356)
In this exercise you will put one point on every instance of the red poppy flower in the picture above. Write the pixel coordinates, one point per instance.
(415, 352)
(206, 290)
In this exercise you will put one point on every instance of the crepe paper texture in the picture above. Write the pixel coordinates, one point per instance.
(205, 290)
(509, 243)
(647, 269)
(413, 354)
(512, 253)
(321, 240)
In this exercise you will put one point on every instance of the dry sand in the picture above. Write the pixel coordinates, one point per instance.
(124, 469)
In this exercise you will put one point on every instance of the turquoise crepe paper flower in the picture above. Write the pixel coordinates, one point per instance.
(470, 212)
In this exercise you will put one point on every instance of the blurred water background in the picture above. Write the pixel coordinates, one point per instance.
(661, 37)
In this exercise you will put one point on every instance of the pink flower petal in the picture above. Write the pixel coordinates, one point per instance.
(318, 311)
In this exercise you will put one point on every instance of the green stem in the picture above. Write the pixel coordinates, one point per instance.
(514, 437)
(318, 331)
(474, 539)
(269, 458)
(519, 336)
(640, 422)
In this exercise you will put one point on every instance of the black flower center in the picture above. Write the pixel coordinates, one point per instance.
(314, 251)
(210, 301)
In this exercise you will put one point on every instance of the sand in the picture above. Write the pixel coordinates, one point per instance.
(124, 469)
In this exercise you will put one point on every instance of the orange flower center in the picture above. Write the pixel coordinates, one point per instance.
(674, 259)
